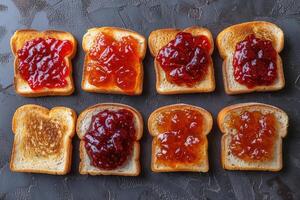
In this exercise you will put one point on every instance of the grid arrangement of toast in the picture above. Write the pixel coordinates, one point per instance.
(110, 133)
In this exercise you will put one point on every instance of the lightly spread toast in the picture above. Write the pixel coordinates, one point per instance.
(252, 136)
(51, 72)
(42, 139)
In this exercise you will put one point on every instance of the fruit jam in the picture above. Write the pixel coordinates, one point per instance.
(114, 63)
(185, 59)
(110, 138)
(42, 62)
(254, 62)
(180, 137)
(254, 140)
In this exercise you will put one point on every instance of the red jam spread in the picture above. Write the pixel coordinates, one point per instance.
(114, 63)
(180, 137)
(254, 62)
(185, 59)
(110, 138)
(254, 140)
(42, 62)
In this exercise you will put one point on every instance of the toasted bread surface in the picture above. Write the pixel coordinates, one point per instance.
(160, 38)
(19, 39)
(117, 34)
(226, 42)
(231, 162)
(132, 166)
(42, 139)
(203, 165)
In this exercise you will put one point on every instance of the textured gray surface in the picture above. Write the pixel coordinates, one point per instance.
(144, 16)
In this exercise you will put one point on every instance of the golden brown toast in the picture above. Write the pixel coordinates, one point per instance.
(232, 162)
(19, 39)
(160, 38)
(226, 42)
(42, 139)
(132, 166)
(154, 119)
(117, 33)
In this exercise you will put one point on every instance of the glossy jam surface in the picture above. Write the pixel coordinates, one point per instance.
(254, 62)
(185, 59)
(42, 64)
(180, 137)
(110, 138)
(254, 140)
(114, 63)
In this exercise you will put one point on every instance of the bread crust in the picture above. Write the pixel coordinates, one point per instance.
(136, 149)
(68, 147)
(18, 40)
(117, 33)
(208, 122)
(230, 36)
(155, 44)
(246, 106)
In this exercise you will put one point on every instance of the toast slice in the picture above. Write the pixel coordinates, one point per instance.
(42, 139)
(232, 162)
(117, 34)
(22, 87)
(160, 38)
(226, 43)
(132, 166)
(155, 118)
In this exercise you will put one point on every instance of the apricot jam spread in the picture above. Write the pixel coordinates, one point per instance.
(180, 137)
(114, 63)
(255, 136)
(185, 59)
(42, 62)
(254, 62)
(45, 135)
(110, 138)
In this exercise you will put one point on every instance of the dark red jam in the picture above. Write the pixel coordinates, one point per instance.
(185, 59)
(42, 62)
(180, 137)
(254, 62)
(110, 138)
(114, 63)
(254, 140)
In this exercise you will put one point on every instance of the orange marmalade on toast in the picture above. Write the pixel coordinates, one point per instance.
(41, 62)
(254, 62)
(185, 59)
(180, 137)
(254, 137)
(113, 63)
(45, 135)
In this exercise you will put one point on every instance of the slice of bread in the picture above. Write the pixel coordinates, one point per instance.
(42, 139)
(154, 118)
(231, 162)
(226, 43)
(132, 165)
(117, 34)
(18, 40)
(160, 38)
